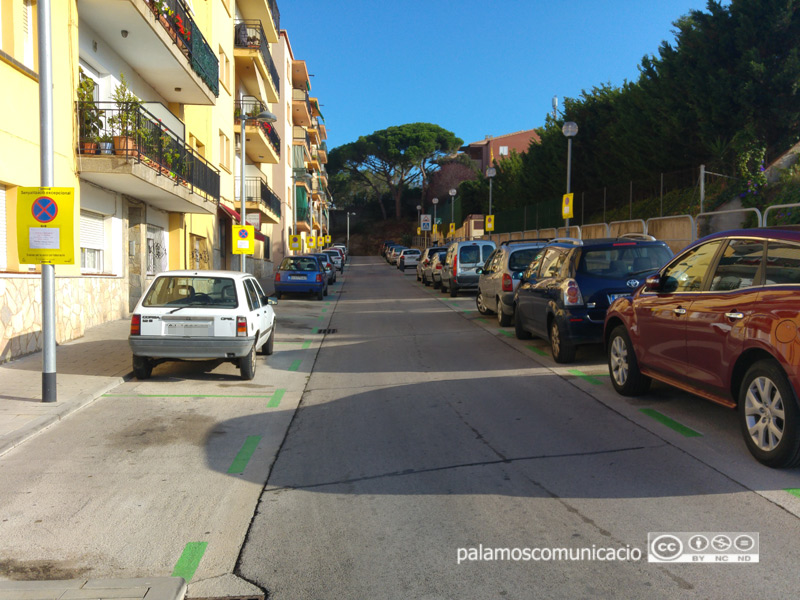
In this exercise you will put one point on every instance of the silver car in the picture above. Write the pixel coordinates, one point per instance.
(425, 261)
(433, 273)
(500, 276)
(463, 258)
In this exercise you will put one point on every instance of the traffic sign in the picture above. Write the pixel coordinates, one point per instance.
(295, 243)
(46, 225)
(311, 242)
(327, 239)
(425, 222)
(452, 228)
(243, 239)
(566, 206)
(320, 241)
(489, 226)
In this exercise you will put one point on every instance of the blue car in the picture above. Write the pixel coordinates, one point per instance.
(302, 274)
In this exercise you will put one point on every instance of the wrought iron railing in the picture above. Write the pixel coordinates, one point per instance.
(251, 107)
(250, 34)
(302, 95)
(184, 32)
(255, 190)
(140, 136)
(276, 14)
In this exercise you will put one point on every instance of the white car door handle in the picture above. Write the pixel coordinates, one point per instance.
(734, 315)
(679, 311)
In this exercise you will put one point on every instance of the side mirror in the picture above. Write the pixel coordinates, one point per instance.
(517, 275)
(272, 301)
(653, 283)
(480, 271)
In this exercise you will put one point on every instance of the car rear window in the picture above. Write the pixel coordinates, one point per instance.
(212, 292)
(299, 263)
(474, 254)
(622, 261)
(519, 260)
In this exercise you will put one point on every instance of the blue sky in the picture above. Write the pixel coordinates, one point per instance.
(474, 67)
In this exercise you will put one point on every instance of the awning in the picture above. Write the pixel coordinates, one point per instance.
(260, 236)
(230, 212)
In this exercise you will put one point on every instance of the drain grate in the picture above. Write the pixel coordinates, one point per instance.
(323, 331)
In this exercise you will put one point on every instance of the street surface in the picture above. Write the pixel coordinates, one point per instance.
(396, 450)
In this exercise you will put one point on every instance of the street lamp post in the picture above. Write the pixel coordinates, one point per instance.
(435, 201)
(570, 130)
(453, 206)
(267, 117)
(419, 210)
(490, 173)
(348, 230)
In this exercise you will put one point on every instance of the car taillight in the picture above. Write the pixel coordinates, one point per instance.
(439, 266)
(241, 326)
(572, 293)
(455, 265)
(277, 276)
(319, 277)
(508, 285)
(136, 325)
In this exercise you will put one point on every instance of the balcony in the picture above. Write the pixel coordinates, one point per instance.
(301, 108)
(259, 197)
(166, 48)
(323, 132)
(302, 209)
(254, 64)
(322, 152)
(265, 11)
(300, 75)
(148, 160)
(263, 142)
(300, 139)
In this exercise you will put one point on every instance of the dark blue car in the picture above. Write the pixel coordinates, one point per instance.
(565, 292)
(301, 273)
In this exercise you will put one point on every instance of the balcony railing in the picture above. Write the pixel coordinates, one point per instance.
(298, 133)
(140, 136)
(182, 29)
(250, 34)
(251, 107)
(276, 14)
(298, 94)
(255, 190)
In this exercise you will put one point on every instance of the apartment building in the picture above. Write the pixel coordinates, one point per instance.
(154, 101)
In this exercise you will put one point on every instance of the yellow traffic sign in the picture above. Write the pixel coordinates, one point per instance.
(320, 242)
(46, 225)
(452, 228)
(295, 243)
(489, 225)
(311, 242)
(243, 239)
(566, 206)
(327, 239)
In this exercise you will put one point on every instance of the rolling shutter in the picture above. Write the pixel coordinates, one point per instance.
(92, 231)
(3, 236)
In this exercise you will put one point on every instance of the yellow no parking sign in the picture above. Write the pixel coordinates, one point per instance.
(46, 225)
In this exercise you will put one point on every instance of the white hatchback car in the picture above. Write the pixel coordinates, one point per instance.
(203, 315)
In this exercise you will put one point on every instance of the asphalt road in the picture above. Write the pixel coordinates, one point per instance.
(426, 435)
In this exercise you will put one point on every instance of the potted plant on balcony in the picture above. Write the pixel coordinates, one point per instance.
(90, 117)
(125, 121)
(106, 143)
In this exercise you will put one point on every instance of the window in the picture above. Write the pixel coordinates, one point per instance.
(156, 250)
(92, 230)
(551, 263)
(738, 265)
(3, 239)
(224, 69)
(687, 274)
(783, 263)
(253, 299)
(27, 31)
(503, 151)
(224, 152)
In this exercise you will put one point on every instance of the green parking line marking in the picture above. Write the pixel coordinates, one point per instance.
(671, 423)
(585, 377)
(794, 491)
(320, 318)
(190, 559)
(241, 460)
(538, 351)
(306, 345)
(295, 365)
(324, 310)
(482, 320)
(327, 303)
(315, 330)
(184, 396)
(276, 398)
(506, 333)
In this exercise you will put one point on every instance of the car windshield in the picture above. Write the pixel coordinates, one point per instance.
(519, 260)
(179, 291)
(623, 261)
(299, 263)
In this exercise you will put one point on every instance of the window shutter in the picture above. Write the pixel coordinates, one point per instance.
(3, 238)
(92, 231)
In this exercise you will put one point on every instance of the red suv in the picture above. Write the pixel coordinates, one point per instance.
(721, 321)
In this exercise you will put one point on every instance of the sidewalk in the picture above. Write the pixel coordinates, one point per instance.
(86, 368)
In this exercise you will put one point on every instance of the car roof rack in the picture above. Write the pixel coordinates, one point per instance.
(637, 236)
(507, 242)
(567, 240)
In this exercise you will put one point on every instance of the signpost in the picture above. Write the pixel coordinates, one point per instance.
(425, 222)
(567, 206)
(296, 243)
(243, 239)
(46, 225)
(489, 225)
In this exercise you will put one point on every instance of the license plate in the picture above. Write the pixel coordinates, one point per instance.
(298, 277)
(612, 297)
(188, 329)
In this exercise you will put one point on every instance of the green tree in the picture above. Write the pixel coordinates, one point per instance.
(391, 160)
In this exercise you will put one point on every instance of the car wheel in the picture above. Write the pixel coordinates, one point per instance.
(247, 364)
(443, 289)
(437, 284)
(425, 280)
(503, 319)
(769, 415)
(269, 346)
(321, 294)
(519, 331)
(277, 295)
(481, 306)
(623, 367)
(418, 277)
(142, 367)
(453, 290)
(563, 351)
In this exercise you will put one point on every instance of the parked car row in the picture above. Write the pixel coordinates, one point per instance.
(719, 320)
(309, 273)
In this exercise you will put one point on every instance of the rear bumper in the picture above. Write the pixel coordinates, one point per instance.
(299, 287)
(190, 347)
(464, 282)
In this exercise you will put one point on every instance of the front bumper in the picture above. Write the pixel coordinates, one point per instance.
(190, 347)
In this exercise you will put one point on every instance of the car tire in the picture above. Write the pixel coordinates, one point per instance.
(562, 349)
(519, 331)
(142, 367)
(443, 289)
(623, 367)
(480, 304)
(321, 294)
(769, 415)
(269, 346)
(277, 295)
(453, 290)
(247, 364)
(503, 319)
(436, 285)
(418, 277)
